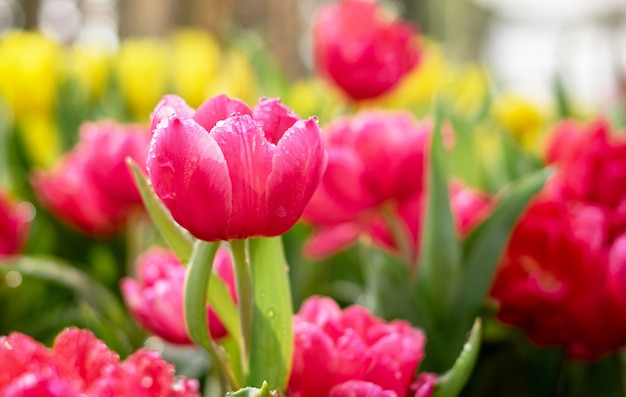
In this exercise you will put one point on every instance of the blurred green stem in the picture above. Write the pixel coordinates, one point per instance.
(244, 295)
(400, 236)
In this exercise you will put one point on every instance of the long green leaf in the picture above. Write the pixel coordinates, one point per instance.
(177, 238)
(483, 248)
(271, 346)
(440, 251)
(452, 382)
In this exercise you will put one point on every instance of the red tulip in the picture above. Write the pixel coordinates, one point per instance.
(361, 50)
(80, 365)
(227, 172)
(92, 188)
(15, 220)
(156, 299)
(561, 278)
(334, 346)
(359, 388)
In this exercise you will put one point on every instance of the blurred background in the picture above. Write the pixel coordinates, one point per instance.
(524, 43)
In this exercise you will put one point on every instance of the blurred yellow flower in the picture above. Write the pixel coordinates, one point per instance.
(195, 62)
(468, 89)
(235, 78)
(524, 119)
(90, 66)
(314, 97)
(29, 66)
(40, 137)
(142, 73)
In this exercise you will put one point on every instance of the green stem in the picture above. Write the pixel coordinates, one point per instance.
(196, 289)
(245, 298)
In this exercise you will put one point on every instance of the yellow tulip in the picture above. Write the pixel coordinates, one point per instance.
(467, 89)
(314, 97)
(235, 78)
(524, 119)
(142, 73)
(195, 62)
(40, 136)
(90, 66)
(29, 69)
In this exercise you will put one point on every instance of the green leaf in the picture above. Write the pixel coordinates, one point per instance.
(483, 248)
(271, 344)
(176, 237)
(264, 391)
(440, 250)
(451, 383)
(224, 306)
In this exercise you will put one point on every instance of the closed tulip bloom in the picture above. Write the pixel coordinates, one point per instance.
(92, 188)
(156, 298)
(334, 346)
(80, 365)
(229, 172)
(361, 50)
(15, 220)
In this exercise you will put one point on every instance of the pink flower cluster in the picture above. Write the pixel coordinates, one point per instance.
(80, 365)
(352, 353)
(361, 50)
(92, 188)
(156, 298)
(563, 276)
(375, 175)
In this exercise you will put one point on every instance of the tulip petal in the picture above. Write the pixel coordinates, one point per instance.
(219, 108)
(189, 173)
(275, 118)
(249, 158)
(298, 165)
(170, 104)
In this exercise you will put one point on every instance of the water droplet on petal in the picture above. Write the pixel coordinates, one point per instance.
(263, 99)
(146, 382)
(235, 114)
(220, 123)
(280, 212)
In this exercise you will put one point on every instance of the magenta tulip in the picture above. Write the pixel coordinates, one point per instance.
(229, 172)
(361, 50)
(156, 298)
(92, 188)
(334, 346)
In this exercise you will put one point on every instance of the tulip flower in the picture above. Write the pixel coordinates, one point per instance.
(92, 188)
(361, 50)
(81, 365)
(156, 298)
(359, 388)
(560, 279)
(15, 220)
(334, 346)
(229, 172)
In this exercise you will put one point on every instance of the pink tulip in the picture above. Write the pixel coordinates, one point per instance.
(361, 50)
(334, 346)
(156, 299)
(80, 365)
(359, 388)
(15, 220)
(92, 188)
(227, 172)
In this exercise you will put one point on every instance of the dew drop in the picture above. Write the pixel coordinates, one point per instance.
(146, 382)
(271, 313)
(263, 99)
(163, 124)
(235, 114)
(280, 212)
(317, 119)
(220, 123)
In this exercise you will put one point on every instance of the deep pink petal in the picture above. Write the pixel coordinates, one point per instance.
(298, 165)
(189, 174)
(359, 388)
(249, 158)
(168, 106)
(331, 239)
(275, 118)
(218, 108)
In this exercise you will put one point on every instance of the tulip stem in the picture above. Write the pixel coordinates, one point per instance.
(244, 296)
(196, 289)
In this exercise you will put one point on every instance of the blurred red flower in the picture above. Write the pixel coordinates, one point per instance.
(92, 188)
(15, 221)
(361, 50)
